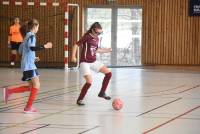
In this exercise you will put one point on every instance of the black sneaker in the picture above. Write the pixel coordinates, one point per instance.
(103, 95)
(80, 103)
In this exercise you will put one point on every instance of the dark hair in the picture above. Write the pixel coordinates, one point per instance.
(13, 21)
(93, 26)
(32, 23)
(28, 26)
(24, 29)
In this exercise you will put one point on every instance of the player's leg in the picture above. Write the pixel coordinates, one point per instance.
(23, 87)
(105, 82)
(33, 92)
(13, 55)
(85, 70)
(99, 67)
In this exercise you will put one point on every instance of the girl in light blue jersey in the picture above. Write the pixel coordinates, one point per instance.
(30, 73)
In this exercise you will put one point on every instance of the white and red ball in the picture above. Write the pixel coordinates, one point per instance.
(117, 104)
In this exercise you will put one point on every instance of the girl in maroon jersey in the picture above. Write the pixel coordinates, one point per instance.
(89, 44)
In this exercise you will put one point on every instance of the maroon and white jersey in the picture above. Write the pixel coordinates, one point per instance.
(89, 47)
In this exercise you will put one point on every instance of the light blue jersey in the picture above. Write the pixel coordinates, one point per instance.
(28, 56)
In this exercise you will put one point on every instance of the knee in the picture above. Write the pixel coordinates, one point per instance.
(30, 84)
(89, 82)
(36, 85)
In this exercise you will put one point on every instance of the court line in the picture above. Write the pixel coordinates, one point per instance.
(158, 107)
(66, 127)
(48, 97)
(38, 100)
(42, 117)
(21, 104)
(39, 95)
(62, 125)
(165, 90)
(188, 89)
(150, 117)
(53, 90)
(35, 129)
(169, 121)
(44, 96)
(112, 81)
(89, 130)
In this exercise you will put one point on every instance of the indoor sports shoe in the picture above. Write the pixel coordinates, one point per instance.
(103, 95)
(80, 103)
(12, 63)
(5, 95)
(30, 110)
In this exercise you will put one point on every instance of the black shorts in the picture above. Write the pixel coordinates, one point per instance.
(28, 75)
(15, 45)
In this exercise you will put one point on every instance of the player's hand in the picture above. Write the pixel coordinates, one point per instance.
(37, 59)
(9, 46)
(48, 45)
(74, 59)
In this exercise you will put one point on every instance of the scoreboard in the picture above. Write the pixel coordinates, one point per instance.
(194, 7)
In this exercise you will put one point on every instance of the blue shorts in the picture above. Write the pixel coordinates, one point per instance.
(28, 75)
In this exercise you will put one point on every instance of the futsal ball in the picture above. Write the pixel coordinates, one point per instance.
(117, 104)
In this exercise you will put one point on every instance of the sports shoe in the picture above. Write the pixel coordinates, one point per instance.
(5, 95)
(103, 95)
(80, 103)
(12, 63)
(30, 110)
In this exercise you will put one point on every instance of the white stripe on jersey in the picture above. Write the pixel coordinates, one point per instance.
(86, 51)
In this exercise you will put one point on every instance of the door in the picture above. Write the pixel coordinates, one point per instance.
(121, 32)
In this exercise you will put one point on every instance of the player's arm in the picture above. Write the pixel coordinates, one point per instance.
(75, 47)
(33, 47)
(37, 48)
(104, 50)
(9, 36)
(74, 51)
(40, 47)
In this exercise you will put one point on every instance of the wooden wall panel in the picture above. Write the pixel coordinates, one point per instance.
(51, 28)
(169, 35)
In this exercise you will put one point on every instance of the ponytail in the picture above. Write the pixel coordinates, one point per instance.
(28, 26)
(24, 29)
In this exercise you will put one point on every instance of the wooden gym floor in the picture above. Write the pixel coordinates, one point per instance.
(156, 101)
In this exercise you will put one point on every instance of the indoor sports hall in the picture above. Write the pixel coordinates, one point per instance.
(99, 66)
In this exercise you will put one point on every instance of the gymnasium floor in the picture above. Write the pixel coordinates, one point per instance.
(156, 101)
